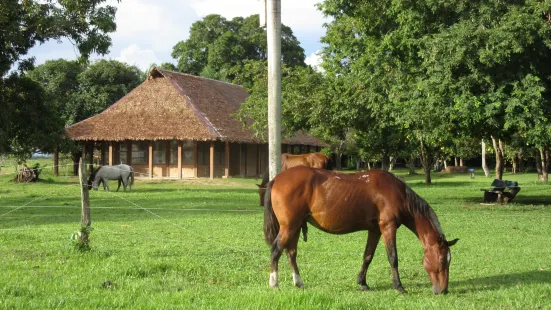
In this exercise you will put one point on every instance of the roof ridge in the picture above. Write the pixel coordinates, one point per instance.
(200, 77)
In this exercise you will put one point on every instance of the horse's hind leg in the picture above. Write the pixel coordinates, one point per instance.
(124, 183)
(119, 180)
(281, 242)
(389, 235)
(292, 255)
(372, 242)
(276, 251)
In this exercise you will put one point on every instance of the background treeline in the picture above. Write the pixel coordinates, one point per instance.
(422, 81)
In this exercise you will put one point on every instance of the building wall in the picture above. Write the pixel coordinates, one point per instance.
(250, 160)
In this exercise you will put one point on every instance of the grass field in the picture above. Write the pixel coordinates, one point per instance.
(199, 244)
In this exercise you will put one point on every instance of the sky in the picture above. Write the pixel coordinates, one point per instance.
(148, 29)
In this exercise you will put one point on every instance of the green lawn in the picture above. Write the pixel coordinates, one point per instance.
(199, 244)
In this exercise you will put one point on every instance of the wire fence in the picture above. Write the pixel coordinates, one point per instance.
(199, 237)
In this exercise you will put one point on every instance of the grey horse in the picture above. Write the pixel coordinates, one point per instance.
(123, 173)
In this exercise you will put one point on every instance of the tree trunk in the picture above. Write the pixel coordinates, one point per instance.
(56, 160)
(499, 160)
(392, 162)
(426, 161)
(503, 160)
(484, 164)
(358, 163)
(75, 156)
(368, 165)
(338, 156)
(461, 162)
(428, 180)
(411, 166)
(445, 164)
(538, 162)
(520, 167)
(514, 162)
(456, 163)
(544, 153)
(385, 162)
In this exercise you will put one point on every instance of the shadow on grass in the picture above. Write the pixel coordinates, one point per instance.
(437, 184)
(519, 201)
(501, 281)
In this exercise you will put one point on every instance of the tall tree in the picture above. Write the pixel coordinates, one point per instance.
(100, 85)
(23, 24)
(26, 23)
(216, 45)
(59, 78)
(27, 122)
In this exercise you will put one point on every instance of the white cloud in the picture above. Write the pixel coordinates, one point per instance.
(141, 58)
(155, 24)
(154, 27)
(314, 60)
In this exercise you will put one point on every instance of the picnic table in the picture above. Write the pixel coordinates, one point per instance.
(502, 191)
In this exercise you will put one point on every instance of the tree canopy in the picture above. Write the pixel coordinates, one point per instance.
(30, 118)
(216, 46)
(443, 70)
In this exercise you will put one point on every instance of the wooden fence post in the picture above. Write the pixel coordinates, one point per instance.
(86, 220)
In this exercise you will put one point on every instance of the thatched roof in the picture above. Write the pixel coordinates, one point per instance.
(171, 105)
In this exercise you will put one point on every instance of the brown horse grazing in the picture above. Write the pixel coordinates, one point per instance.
(337, 203)
(314, 160)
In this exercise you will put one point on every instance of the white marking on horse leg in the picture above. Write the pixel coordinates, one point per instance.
(273, 279)
(297, 280)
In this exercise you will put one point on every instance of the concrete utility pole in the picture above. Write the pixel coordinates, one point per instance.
(274, 85)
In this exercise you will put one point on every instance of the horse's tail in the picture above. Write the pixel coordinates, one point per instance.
(271, 225)
(131, 176)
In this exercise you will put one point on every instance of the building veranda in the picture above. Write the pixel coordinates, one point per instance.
(177, 125)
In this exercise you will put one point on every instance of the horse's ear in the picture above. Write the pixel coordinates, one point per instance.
(454, 241)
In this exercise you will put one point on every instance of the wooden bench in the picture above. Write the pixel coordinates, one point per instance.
(503, 191)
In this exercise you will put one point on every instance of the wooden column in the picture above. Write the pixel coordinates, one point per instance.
(258, 159)
(211, 161)
(227, 160)
(110, 154)
(195, 159)
(150, 157)
(91, 157)
(128, 152)
(240, 163)
(180, 159)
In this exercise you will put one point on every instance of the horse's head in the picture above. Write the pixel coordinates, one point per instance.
(95, 185)
(92, 182)
(436, 261)
(261, 192)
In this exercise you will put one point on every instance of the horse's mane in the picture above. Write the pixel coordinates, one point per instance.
(419, 207)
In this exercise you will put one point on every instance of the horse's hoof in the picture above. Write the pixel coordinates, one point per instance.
(364, 288)
(402, 290)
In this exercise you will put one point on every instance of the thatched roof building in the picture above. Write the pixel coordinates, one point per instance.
(165, 127)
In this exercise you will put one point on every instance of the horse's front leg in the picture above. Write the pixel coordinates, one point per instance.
(106, 184)
(372, 242)
(389, 235)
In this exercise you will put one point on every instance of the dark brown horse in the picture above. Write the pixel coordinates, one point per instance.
(337, 203)
(314, 160)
